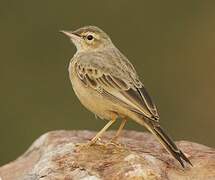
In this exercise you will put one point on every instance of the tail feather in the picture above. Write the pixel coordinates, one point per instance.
(168, 143)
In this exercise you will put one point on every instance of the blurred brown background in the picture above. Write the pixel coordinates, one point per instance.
(171, 44)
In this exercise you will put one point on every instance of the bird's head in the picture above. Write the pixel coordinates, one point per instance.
(89, 38)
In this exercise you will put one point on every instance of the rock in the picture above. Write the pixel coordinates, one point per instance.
(61, 155)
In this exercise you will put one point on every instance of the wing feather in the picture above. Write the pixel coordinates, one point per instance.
(126, 90)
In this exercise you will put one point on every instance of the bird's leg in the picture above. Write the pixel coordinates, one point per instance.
(98, 135)
(124, 120)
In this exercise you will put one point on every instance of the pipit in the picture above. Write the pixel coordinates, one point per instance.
(107, 84)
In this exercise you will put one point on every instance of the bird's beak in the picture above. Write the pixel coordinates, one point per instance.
(70, 34)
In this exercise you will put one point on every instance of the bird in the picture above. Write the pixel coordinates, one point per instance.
(107, 84)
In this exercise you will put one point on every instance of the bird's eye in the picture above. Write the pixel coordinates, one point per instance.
(90, 37)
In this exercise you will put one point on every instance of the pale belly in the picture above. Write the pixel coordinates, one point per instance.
(92, 99)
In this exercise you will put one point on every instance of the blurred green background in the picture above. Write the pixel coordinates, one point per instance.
(171, 44)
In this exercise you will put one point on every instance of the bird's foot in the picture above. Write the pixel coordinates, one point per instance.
(97, 141)
(114, 142)
(92, 142)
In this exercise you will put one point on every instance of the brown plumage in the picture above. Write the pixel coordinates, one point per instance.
(107, 84)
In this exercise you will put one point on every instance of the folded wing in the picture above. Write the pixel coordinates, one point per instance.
(121, 87)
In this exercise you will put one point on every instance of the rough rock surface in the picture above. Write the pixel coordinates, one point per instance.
(61, 155)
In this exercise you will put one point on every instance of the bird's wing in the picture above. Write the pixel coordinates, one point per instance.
(120, 84)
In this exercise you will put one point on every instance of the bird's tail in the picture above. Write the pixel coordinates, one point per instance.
(167, 142)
